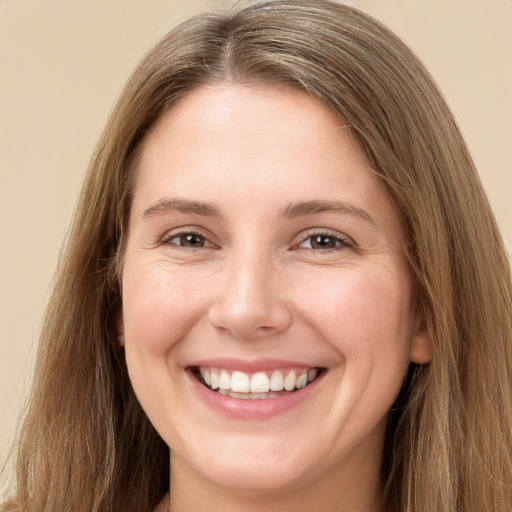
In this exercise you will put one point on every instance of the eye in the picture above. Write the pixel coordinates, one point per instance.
(188, 240)
(325, 241)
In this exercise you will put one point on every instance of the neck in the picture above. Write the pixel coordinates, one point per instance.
(358, 491)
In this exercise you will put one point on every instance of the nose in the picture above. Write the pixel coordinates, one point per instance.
(250, 302)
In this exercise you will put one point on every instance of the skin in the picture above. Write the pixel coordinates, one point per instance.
(255, 285)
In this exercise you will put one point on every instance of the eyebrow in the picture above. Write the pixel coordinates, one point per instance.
(169, 205)
(320, 206)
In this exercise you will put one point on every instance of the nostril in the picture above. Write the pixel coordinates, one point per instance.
(251, 326)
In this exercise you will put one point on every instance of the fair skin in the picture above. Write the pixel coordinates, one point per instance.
(260, 242)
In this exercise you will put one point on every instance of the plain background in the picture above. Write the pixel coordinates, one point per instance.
(62, 65)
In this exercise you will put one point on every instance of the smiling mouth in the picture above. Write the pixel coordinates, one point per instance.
(256, 386)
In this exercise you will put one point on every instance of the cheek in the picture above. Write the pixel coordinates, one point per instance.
(159, 307)
(365, 316)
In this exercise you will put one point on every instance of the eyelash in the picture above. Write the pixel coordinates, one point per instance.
(341, 242)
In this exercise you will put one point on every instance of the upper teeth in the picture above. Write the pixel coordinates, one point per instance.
(259, 382)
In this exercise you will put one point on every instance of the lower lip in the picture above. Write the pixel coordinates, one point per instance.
(252, 409)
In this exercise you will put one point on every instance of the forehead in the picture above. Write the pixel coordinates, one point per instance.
(232, 141)
(235, 120)
(213, 113)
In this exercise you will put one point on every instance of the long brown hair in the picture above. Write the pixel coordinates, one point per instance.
(86, 445)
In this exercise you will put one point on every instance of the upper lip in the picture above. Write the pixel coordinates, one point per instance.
(255, 365)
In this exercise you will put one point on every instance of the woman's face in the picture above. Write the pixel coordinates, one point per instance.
(264, 254)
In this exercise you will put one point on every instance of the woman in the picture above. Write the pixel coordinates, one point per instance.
(283, 268)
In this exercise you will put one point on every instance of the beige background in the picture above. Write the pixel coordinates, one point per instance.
(63, 63)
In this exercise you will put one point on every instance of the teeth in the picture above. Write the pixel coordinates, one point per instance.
(224, 380)
(276, 381)
(289, 381)
(214, 378)
(250, 396)
(240, 382)
(301, 381)
(259, 385)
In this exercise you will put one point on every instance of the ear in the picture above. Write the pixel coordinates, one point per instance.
(421, 345)
(120, 327)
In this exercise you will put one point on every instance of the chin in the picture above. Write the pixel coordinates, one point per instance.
(248, 479)
(255, 467)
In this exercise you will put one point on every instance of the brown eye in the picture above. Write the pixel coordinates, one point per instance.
(192, 240)
(189, 240)
(324, 241)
